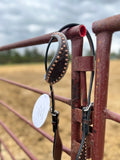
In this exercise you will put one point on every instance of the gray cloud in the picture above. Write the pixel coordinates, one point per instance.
(25, 19)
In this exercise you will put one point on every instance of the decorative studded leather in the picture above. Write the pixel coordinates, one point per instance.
(59, 63)
(83, 153)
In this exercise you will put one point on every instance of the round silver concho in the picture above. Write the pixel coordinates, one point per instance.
(40, 110)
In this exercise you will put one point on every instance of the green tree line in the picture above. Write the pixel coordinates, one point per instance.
(29, 56)
(34, 56)
(113, 55)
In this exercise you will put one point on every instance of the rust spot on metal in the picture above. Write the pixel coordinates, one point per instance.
(97, 75)
(98, 60)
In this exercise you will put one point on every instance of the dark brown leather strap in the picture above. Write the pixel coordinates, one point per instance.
(57, 146)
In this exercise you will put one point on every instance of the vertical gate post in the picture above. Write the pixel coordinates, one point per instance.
(101, 90)
(77, 45)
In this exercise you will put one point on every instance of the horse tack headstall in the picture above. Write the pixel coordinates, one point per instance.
(54, 73)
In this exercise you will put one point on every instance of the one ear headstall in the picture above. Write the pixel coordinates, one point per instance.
(59, 63)
(54, 73)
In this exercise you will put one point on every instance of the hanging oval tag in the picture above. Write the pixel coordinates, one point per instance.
(40, 110)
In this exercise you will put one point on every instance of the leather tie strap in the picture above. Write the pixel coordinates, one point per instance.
(82, 153)
(57, 146)
(54, 73)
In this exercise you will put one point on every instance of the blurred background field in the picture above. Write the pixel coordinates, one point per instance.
(22, 20)
(23, 101)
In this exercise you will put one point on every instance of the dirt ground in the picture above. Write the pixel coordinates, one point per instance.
(23, 101)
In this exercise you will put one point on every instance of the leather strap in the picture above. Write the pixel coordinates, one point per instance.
(86, 111)
(54, 73)
(57, 146)
(57, 150)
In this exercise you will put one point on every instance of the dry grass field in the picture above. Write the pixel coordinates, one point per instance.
(23, 101)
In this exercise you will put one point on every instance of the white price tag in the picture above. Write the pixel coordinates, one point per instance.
(40, 110)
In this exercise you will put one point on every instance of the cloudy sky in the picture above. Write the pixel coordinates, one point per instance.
(23, 19)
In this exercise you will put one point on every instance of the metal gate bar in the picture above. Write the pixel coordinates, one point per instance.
(1, 157)
(80, 65)
(65, 149)
(73, 32)
(59, 98)
(111, 115)
(6, 148)
(103, 30)
(28, 153)
(77, 45)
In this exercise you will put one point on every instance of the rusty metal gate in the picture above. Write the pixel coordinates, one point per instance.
(80, 65)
